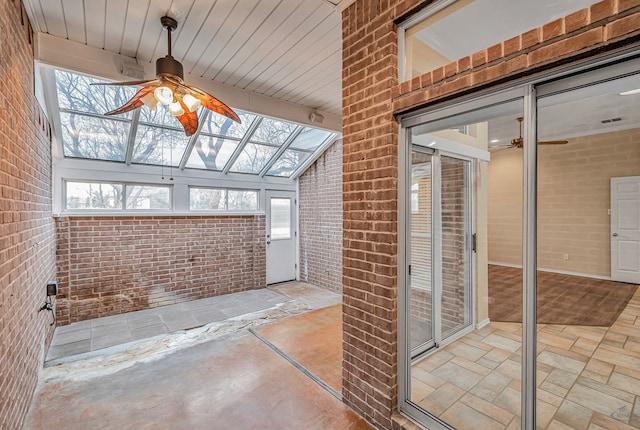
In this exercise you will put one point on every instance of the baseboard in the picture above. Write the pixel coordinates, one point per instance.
(561, 272)
(482, 324)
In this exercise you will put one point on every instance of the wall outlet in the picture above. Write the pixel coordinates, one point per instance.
(566, 257)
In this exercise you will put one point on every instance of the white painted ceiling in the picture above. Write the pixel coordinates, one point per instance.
(289, 50)
(483, 23)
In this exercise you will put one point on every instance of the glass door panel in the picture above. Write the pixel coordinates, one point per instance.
(420, 291)
(465, 352)
(455, 306)
(588, 250)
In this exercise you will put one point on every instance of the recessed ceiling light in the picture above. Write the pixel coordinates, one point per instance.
(495, 140)
(630, 92)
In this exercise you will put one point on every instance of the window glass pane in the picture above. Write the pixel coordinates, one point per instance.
(156, 145)
(85, 195)
(588, 247)
(159, 116)
(273, 131)
(437, 40)
(211, 153)
(76, 93)
(221, 125)
(310, 138)
(253, 158)
(242, 200)
(89, 137)
(206, 199)
(280, 218)
(288, 162)
(148, 197)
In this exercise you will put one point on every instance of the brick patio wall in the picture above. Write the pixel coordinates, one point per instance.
(27, 231)
(320, 206)
(372, 95)
(113, 265)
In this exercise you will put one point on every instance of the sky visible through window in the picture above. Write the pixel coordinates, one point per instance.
(259, 145)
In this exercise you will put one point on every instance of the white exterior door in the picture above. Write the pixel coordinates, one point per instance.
(281, 236)
(625, 229)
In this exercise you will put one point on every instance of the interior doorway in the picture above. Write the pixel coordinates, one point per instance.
(281, 236)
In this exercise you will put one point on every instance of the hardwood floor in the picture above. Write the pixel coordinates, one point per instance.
(562, 299)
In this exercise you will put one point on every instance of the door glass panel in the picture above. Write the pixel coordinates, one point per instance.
(456, 282)
(469, 378)
(280, 218)
(588, 182)
(420, 301)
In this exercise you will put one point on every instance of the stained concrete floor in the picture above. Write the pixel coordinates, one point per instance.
(216, 377)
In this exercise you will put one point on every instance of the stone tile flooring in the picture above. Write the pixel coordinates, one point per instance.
(91, 335)
(588, 377)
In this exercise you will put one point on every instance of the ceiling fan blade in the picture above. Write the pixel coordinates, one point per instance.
(146, 82)
(501, 148)
(553, 142)
(213, 104)
(133, 103)
(189, 120)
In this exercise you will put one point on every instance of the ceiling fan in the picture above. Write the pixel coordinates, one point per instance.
(518, 142)
(169, 89)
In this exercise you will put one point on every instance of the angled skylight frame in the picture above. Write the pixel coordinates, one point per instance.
(271, 139)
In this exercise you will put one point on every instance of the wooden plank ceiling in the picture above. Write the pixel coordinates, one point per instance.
(286, 49)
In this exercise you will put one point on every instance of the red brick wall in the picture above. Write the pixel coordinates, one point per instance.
(27, 232)
(605, 26)
(112, 265)
(370, 204)
(371, 95)
(320, 217)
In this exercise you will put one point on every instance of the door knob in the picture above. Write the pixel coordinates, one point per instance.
(615, 234)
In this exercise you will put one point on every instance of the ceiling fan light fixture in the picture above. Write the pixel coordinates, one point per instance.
(169, 89)
(163, 94)
(191, 102)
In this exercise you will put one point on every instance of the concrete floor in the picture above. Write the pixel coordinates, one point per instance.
(215, 377)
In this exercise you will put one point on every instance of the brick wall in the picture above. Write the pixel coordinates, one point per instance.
(320, 213)
(605, 26)
(370, 204)
(371, 95)
(112, 265)
(27, 235)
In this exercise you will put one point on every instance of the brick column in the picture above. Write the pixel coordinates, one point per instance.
(370, 205)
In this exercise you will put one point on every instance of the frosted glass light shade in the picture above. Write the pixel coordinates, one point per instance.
(191, 102)
(164, 95)
(175, 109)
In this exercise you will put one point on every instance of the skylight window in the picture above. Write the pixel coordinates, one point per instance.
(258, 146)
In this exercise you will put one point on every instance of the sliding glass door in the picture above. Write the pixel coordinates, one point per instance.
(440, 264)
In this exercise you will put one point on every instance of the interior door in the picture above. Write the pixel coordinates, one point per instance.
(625, 229)
(281, 236)
(439, 249)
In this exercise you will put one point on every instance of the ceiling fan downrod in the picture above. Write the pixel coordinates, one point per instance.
(167, 65)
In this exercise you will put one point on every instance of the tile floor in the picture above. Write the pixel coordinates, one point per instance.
(91, 335)
(588, 377)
